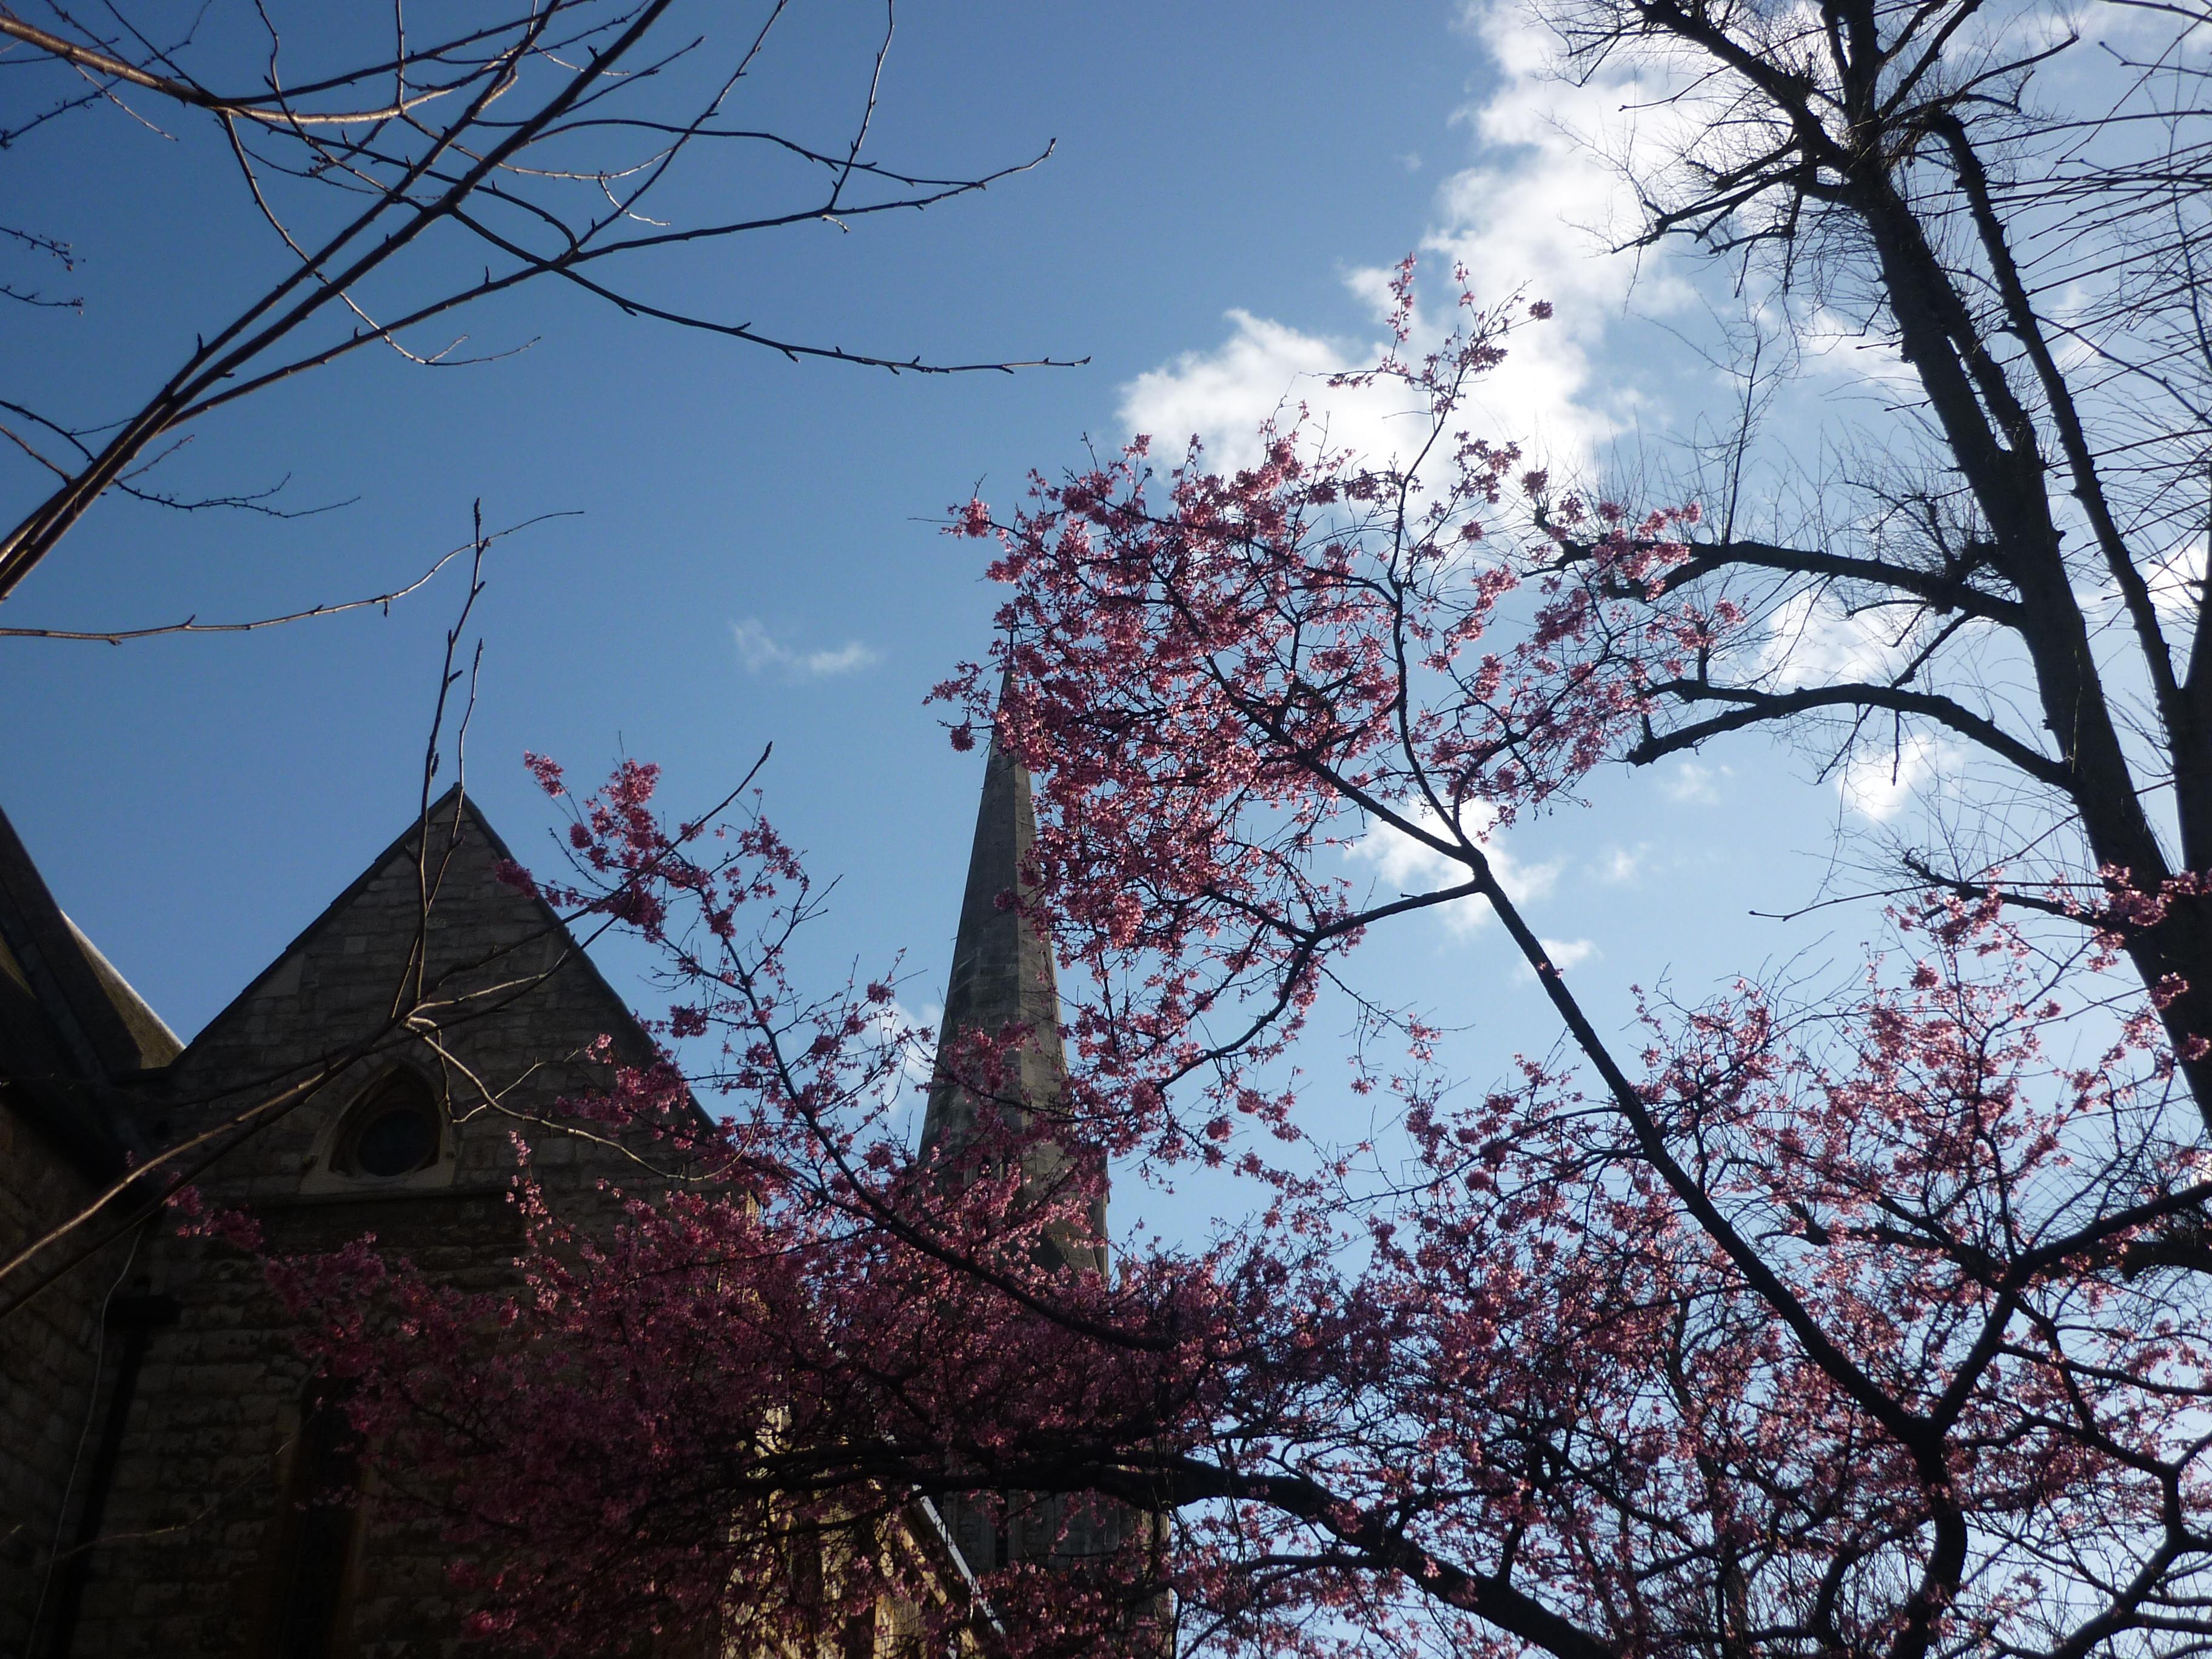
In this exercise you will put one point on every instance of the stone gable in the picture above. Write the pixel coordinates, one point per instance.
(199, 1528)
(161, 1429)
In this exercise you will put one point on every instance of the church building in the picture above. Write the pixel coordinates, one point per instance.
(159, 1436)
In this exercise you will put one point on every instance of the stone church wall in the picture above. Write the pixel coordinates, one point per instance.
(48, 1365)
(154, 1402)
(215, 1431)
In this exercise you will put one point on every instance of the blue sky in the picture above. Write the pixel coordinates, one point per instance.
(756, 557)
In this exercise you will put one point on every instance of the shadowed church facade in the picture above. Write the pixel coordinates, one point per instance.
(158, 1435)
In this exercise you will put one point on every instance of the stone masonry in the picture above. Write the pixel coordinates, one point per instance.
(200, 1456)
(160, 1431)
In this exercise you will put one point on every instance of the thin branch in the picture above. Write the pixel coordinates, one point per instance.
(193, 625)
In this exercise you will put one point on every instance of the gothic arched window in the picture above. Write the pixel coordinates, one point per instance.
(394, 1130)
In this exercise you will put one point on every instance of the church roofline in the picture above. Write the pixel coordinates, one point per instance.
(441, 808)
(346, 895)
(108, 1028)
(72, 1027)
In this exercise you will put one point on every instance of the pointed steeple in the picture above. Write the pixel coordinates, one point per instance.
(1002, 975)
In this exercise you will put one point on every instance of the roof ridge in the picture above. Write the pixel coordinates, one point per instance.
(108, 1028)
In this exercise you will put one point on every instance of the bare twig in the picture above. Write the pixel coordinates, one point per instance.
(193, 625)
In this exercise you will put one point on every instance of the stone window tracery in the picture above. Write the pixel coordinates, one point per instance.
(394, 1130)
(393, 1133)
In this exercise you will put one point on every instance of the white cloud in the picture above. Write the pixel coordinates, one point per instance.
(1535, 214)
(760, 650)
(1542, 211)
(902, 1092)
(1834, 345)
(2177, 578)
(1622, 864)
(1566, 955)
(1409, 866)
(1813, 641)
(1265, 371)
(1880, 784)
(1692, 783)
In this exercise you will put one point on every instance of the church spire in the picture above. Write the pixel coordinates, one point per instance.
(1002, 975)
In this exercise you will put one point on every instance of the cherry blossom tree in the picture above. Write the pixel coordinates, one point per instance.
(1867, 1321)
(1857, 1320)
